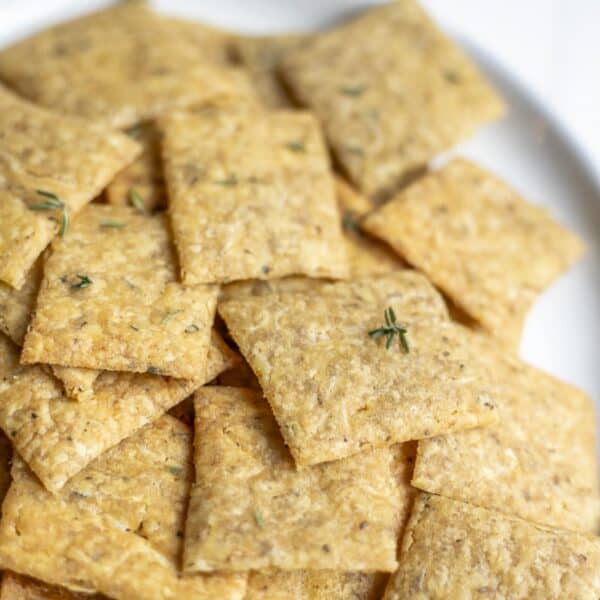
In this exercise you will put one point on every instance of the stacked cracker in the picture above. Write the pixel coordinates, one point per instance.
(298, 444)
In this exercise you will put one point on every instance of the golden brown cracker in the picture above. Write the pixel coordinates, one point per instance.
(537, 462)
(116, 527)
(392, 92)
(149, 65)
(336, 391)
(250, 508)
(490, 251)
(18, 587)
(455, 550)
(110, 300)
(50, 167)
(251, 196)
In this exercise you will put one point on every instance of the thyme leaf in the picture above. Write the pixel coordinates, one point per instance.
(84, 281)
(391, 329)
(53, 202)
(228, 181)
(296, 146)
(112, 224)
(352, 90)
(136, 200)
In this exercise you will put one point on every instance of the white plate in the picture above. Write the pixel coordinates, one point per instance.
(529, 148)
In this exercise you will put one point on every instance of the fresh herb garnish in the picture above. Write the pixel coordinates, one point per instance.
(451, 77)
(192, 328)
(258, 519)
(352, 90)
(53, 202)
(112, 224)
(84, 281)
(175, 470)
(355, 150)
(136, 200)
(170, 314)
(228, 181)
(153, 370)
(349, 222)
(296, 146)
(391, 329)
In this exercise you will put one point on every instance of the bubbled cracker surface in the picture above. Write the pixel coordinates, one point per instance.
(455, 550)
(537, 462)
(391, 90)
(251, 196)
(490, 251)
(334, 390)
(250, 508)
(150, 65)
(18, 587)
(116, 527)
(134, 316)
(43, 151)
(59, 437)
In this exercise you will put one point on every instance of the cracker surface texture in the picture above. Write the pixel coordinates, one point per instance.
(116, 527)
(392, 92)
(17, 587)
(251, 196)
(455, 550)
(110, 300)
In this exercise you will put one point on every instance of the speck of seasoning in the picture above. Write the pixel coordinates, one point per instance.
(356, 150)
(175, 470)
(34, 415)
(296, 146)
(135, 132)
(258, 519)
(192, 328)
(363, 525)
(265, 269)
(349, 222)
(326, 548)
(153, 370)
(84, 281)
(228, 181)
(352, 90)
(179, 534)
(170, 314)
(133, 327)
(136, 200)
(451, 77)
(112, 224)
(64, 279)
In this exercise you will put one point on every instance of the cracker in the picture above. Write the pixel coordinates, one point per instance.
(5, 461)
(250, 508)
(455, 550)
(58, 437)
(260, 56)
(538, 462)
(43, 151)
(479, 242)
(150, 65)
(116, 527)
(131, 314)
(262, 205)
(17, 587)
(392, 92)
(334, 390)
(273, 584)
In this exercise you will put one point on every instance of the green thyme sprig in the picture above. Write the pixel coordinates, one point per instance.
(53, 202)
(229, 181)
(391, 329)
(84, 281)
(296, 146)
(136, 200)
(112, 224)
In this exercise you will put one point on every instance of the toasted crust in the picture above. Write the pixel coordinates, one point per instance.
(17, 587)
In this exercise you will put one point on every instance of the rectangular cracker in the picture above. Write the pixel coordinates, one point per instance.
(150, 65)
(260, 56)
(392, 91)
(455, 550)
(116, 527)
(260, 205)
(476, 239)
(17, 587)
(42, 151)
(334, 390)
(131, 313)
(58, 437)
(250, 508)
(538, 462)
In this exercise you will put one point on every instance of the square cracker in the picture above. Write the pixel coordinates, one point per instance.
(455, 550)
(538, 462)
(58, 437)
(17, 587)
(149, 65)
(392, 92)
(43, 151)
(334, 390)
(262, 202)
(250, 508)
(476, 239)
(134, 315)
(116, 527)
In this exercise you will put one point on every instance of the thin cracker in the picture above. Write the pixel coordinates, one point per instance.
(116, 527)
(334, 390)
(475, 238)
(455, 550)
(17, 587)
(134, 316)
(260, 205)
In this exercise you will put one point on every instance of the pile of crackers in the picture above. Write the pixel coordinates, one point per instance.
(253, 346)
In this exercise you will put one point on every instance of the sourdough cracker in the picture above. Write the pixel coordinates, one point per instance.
(479, 242)
(110, 300)
(392, 91)
(18, 587)
(537, 462)
(68, 160)
(250, 508)
(455, 550)
(115, 528)
(334, 390)
(58, 437)
(150, 65)
(261, 205)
